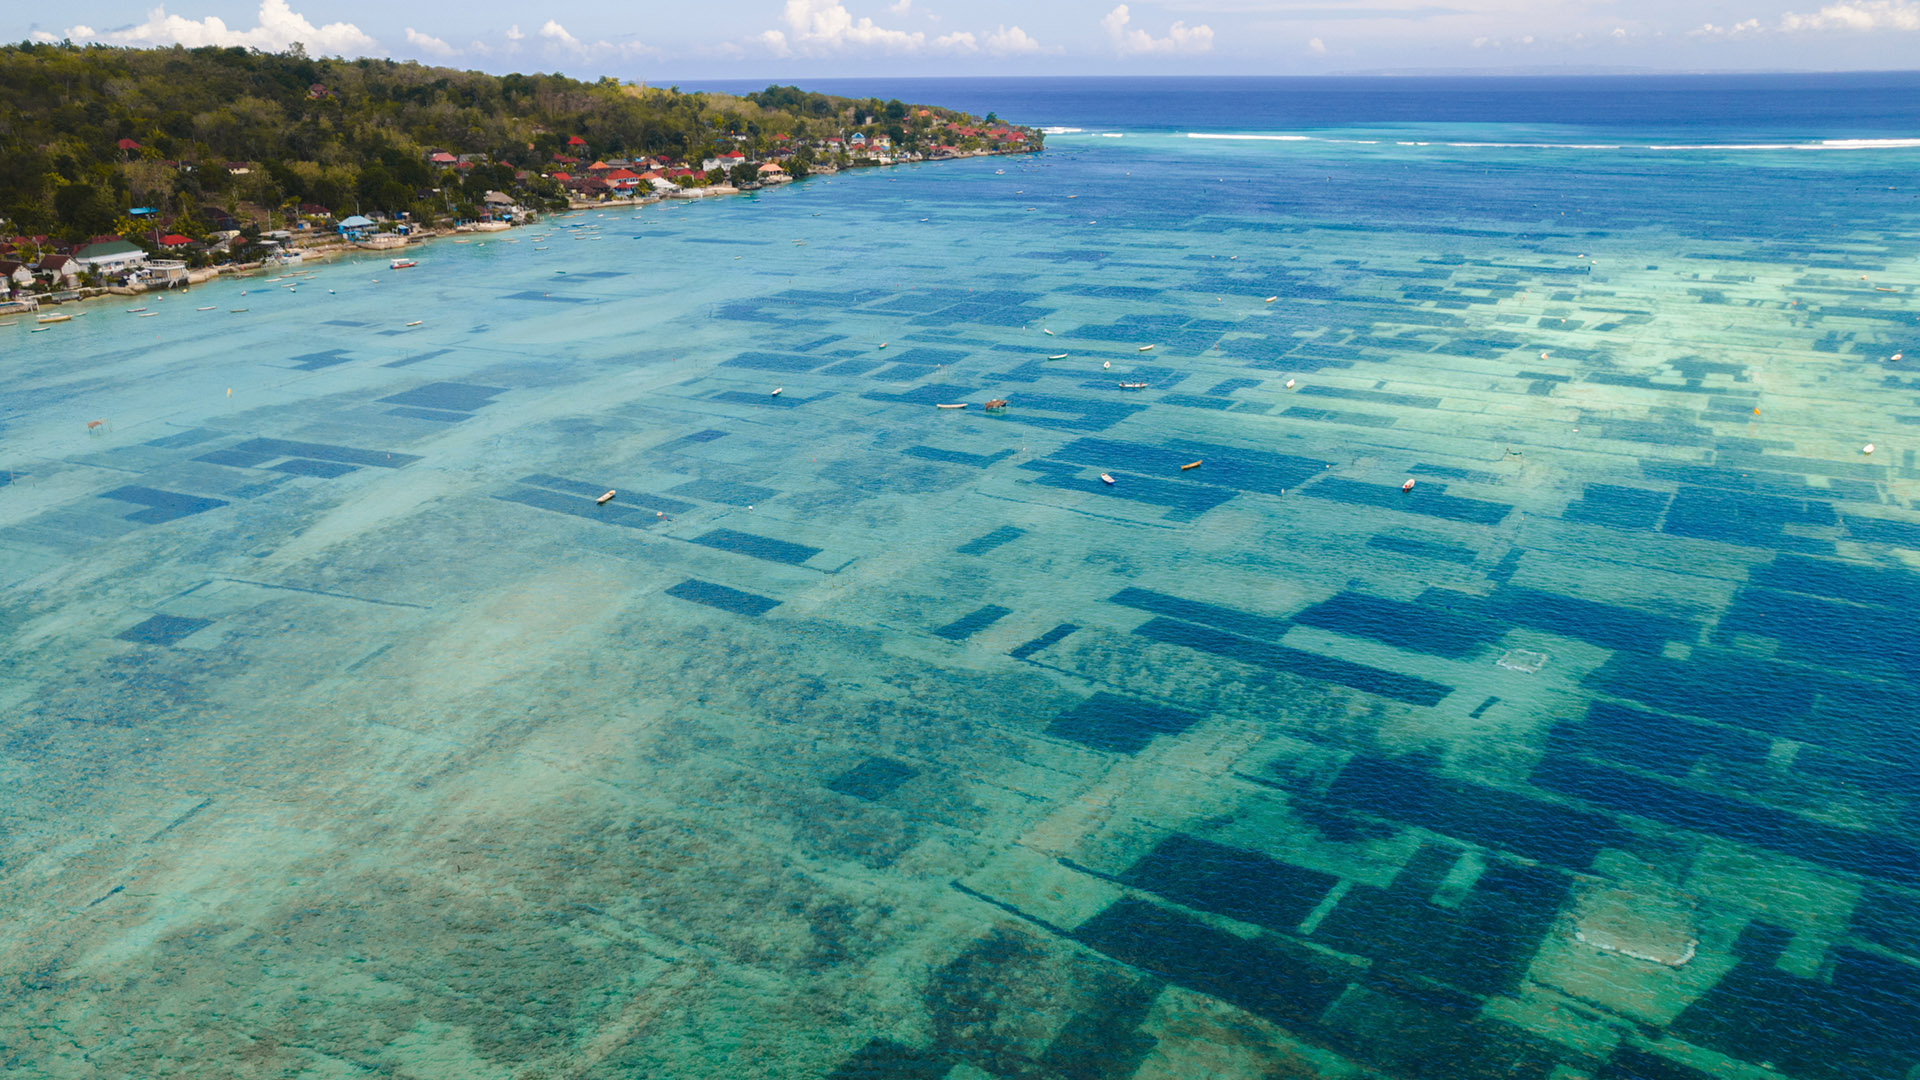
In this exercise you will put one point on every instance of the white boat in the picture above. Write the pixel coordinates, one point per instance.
(401, 264)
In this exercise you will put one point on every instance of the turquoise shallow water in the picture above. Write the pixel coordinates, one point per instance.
(346, 735)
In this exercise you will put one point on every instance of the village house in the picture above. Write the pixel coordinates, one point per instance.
(14, 276)
(61, 271)
(110, 255)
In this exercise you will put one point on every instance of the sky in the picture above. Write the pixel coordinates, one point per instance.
(788, 40)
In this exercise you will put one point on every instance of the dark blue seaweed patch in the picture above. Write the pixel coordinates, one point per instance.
(1393, 684)
(1421, 627)
(1421, 500)
(1230, 881)
(162, 629)
(759, 547)
(789, 363)
(273, 448)
(325, 470)
(1232, 620)
(162, 506)
(980, 545)
(451, 396)
(719, 596)
(1045, 641)
(973, 622)
(956, 457)
(1119, 725)
(874, 778)
(1425, 549)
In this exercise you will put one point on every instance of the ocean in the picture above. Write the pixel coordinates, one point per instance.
(1437, 603)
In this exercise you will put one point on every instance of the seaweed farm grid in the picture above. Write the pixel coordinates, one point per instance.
(1151, 731)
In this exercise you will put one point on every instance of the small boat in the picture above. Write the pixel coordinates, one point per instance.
(1290, 383)
(401, 264)
(1144, 348)
(39, 329)
(1408, 486)
(6, 324)
(1133, 386)
(1867, 449)
(956, 405)
(604, 499)
(208, 308)
(1107, 479)
(1271, 299)
(135, 310)
(149, 314)
(1882, 288)
(236, 311)
(1897, 356)
(883, 344)
(1058, 356)
(1190, 465)
(48, 319)
(1046, 331)
(996, 403)
(776, 391)
(415, 322)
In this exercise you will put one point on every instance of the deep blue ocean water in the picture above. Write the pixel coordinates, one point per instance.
(1437, 603)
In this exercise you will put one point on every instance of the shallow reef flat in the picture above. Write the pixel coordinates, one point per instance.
(347, 732)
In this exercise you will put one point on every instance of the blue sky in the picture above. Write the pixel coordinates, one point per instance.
(793, 39)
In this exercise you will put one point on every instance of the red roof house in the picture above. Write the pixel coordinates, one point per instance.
(575, 140)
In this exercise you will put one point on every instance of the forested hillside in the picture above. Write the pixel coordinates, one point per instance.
(88, 133)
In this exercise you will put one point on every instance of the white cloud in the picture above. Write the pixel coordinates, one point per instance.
(821, 27)
(280, 26)
(429, 44)
(514, 34)
(1317, 46)
(1180, 38)
(958, 41)
(1862, 15)
(1013, 41)
(557, 34)
(900, 8)
(1751, 26)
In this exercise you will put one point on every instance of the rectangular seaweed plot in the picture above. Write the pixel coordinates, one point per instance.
(1230, 881)
(883, 1059)
(1119, 725)
(452, 396)
(1045, 641)
(725, 492)
(1534, 828)
(1005, 534)
(973, 622)
(1420, 627)
(1884, 586)
(1606, 625)
(1269, 627)
(1484, 946)
(161, 505)
(1421, 500)
(162, 629)
(273, 448)
(788, 363)
(1849, 637)
(1282, 983)
(1392, 684)
(1654, 741)
(719, 596)
(1620, 507)
(874, 778)
(1857, 1026)
(1868, 854)
(759, 547)
(554, 501)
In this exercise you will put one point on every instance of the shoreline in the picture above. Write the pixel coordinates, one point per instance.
(332, 248)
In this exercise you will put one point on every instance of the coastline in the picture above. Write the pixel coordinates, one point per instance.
(333, 248)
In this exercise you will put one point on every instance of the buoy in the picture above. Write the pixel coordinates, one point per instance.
(1408, 486)
(1190, 465)
(91, 424)
(229, 391)
(604, 499)
(1290, 384)
(1106, 478)
(1867, 449)
(1543, 356)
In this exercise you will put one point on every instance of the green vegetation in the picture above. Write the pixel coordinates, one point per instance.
(255, 134)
